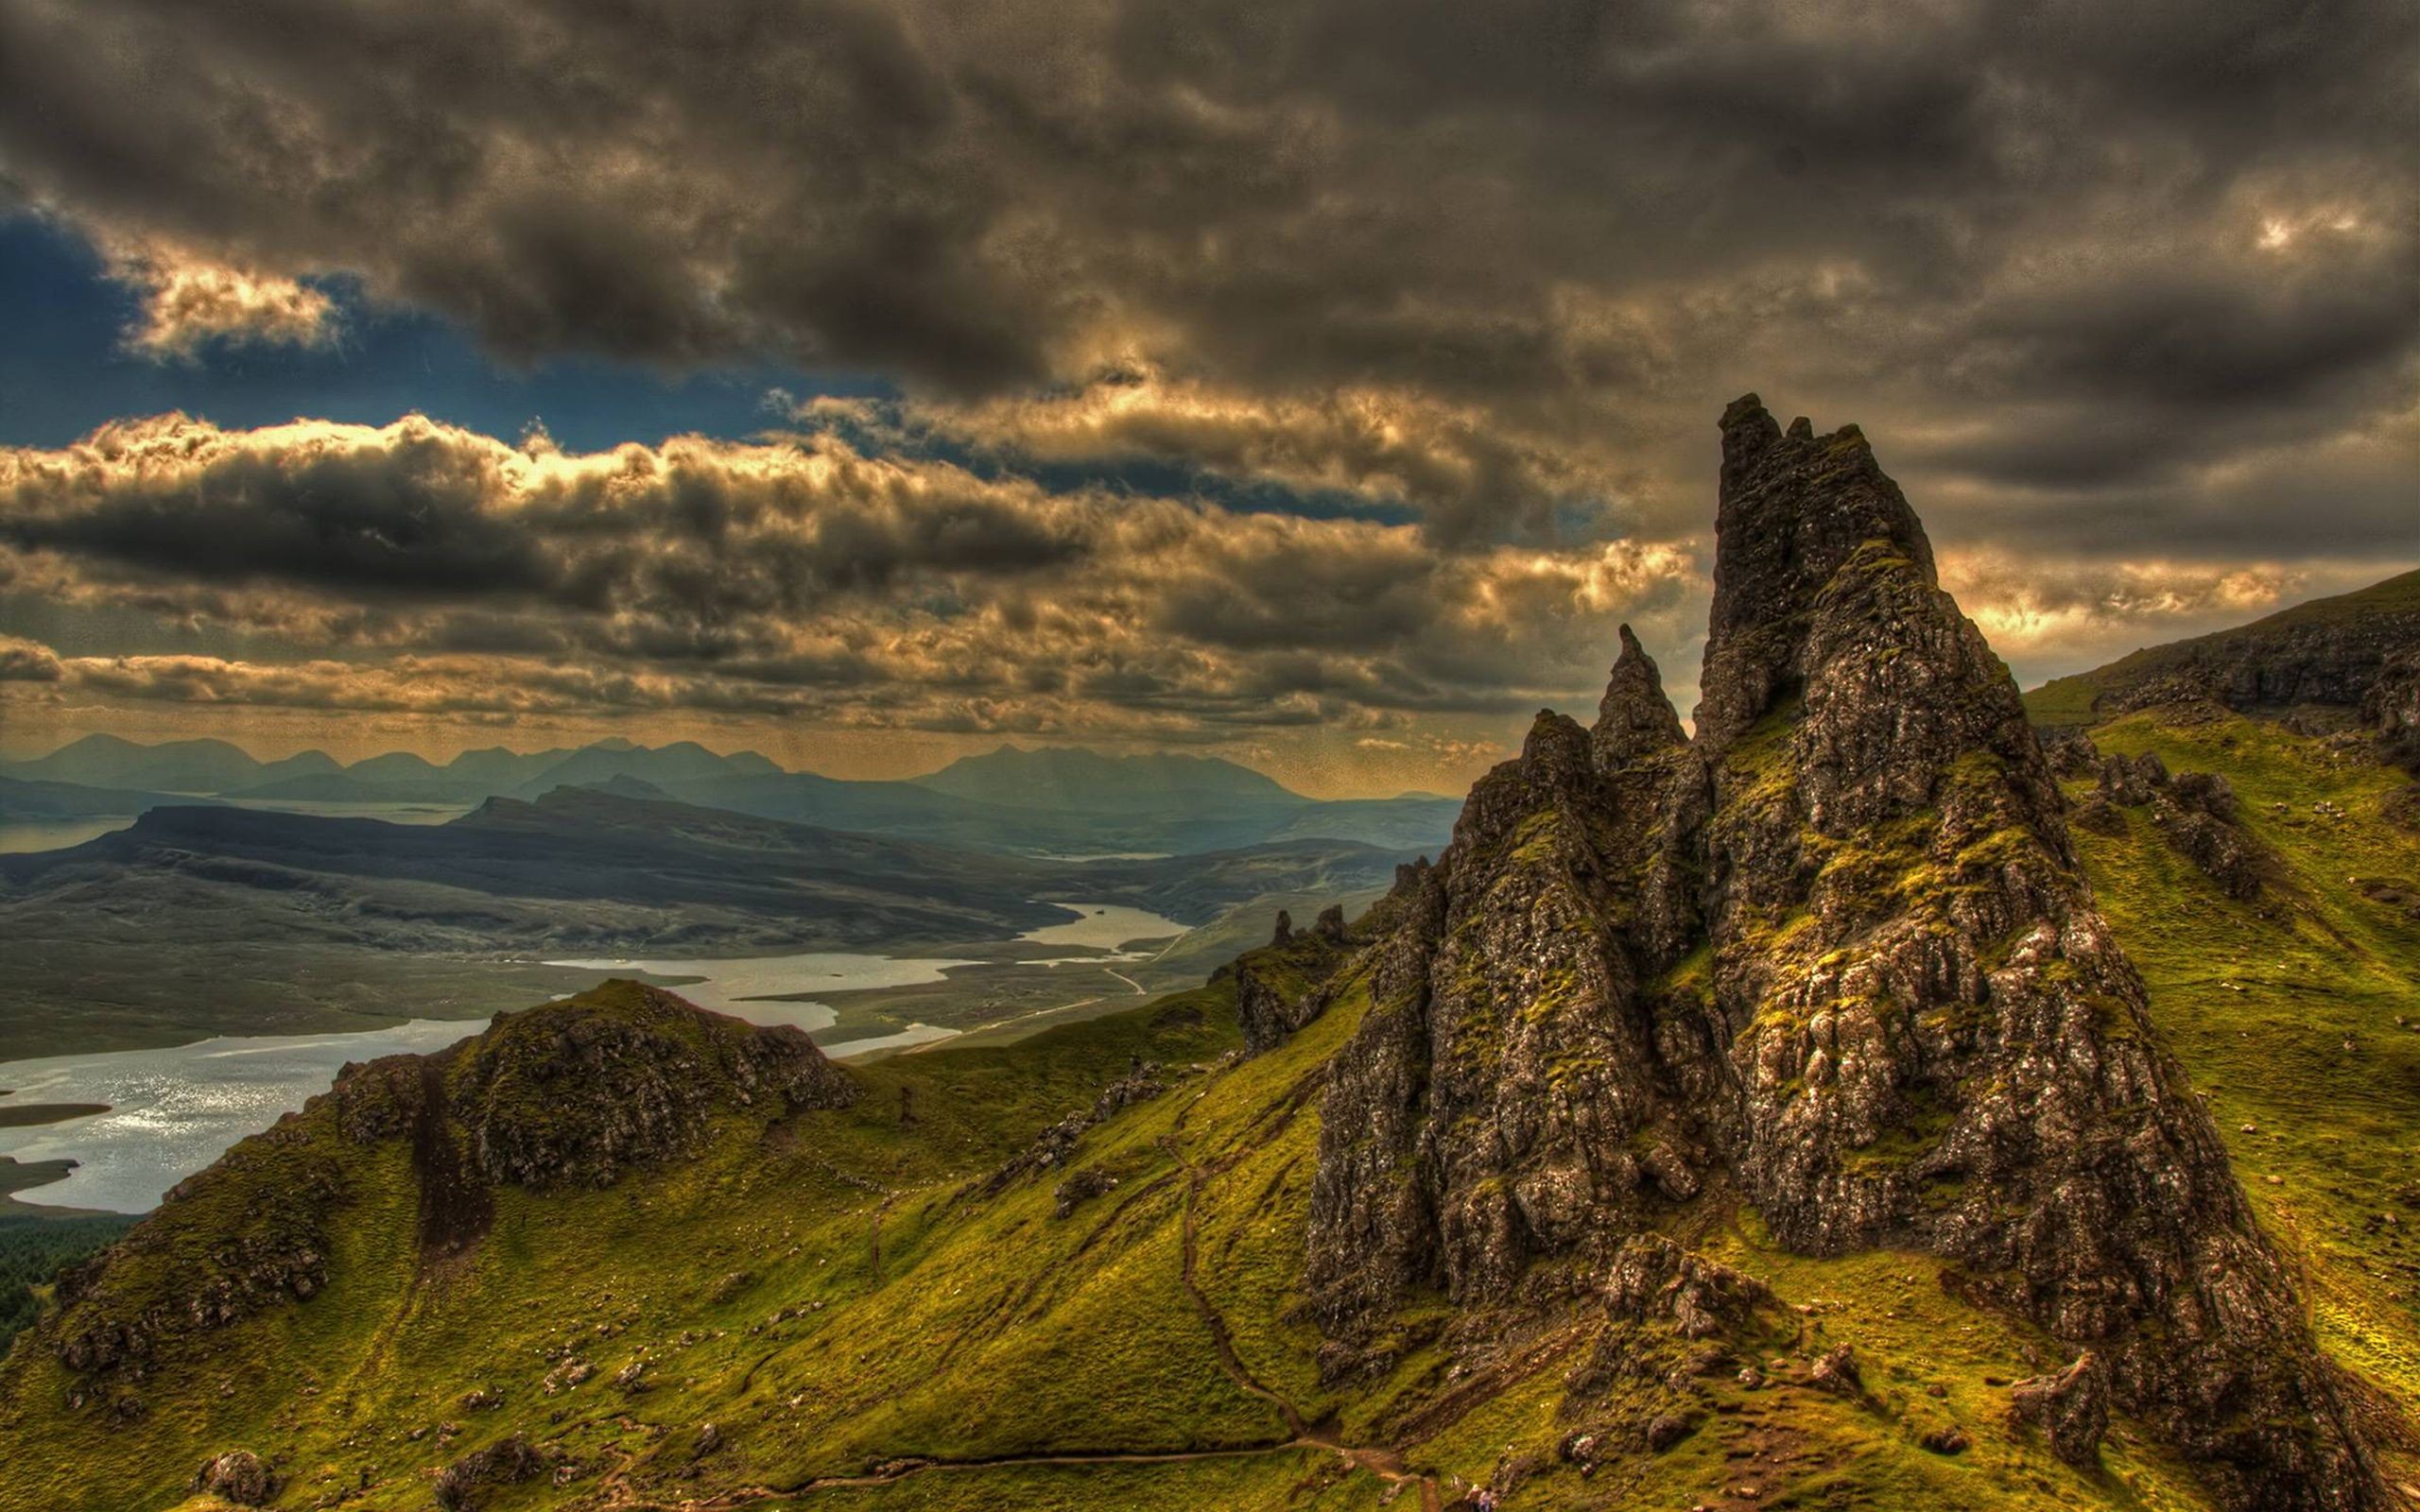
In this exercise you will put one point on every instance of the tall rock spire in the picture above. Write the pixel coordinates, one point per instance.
(1635, 718)
(1794, 509)
(1836, 957)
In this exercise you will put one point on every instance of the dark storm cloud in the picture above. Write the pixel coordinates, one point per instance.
(2125, 295)
(1584, 219)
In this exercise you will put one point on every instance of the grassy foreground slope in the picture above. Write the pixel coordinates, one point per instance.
(870, 1308)
(2297, 1014)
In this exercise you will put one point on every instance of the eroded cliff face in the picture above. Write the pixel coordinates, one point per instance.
(1834, 955)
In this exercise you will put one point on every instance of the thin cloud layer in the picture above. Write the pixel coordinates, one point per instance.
(434, 570)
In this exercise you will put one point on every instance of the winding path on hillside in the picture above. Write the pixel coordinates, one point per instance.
(1302, 1436)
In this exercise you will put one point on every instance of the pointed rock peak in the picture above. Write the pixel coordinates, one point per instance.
(1555, 743)
(1749, 431)
(1802, 429)
(1795, 509)
(1636, 717)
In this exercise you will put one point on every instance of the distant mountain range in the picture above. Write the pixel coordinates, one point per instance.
(1056, 801)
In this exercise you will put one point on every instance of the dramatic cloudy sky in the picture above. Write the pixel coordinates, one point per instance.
(1317, 382)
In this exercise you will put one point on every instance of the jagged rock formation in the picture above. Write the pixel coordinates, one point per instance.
(2196, 813)
(2333, 654)
(1276, 986)
(566, 1093)
(1834, 954)
(1634, 718)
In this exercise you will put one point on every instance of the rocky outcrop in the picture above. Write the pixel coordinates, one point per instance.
(1835, 955)
(559, 1096)
(1051, 1148)
(2344, 653)
(2195, 812)
(1281, 987)
(2391, 707)
(1634, 718)
(569, 1094)
(463, 1485)
(239, 1476)
(2071, 1406)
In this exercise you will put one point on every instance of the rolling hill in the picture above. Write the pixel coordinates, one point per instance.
(305, 923)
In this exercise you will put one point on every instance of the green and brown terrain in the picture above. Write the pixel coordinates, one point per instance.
(1853, 1105)
(307, 923)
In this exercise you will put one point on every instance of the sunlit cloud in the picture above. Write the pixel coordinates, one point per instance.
(419, 566)
(188, 303)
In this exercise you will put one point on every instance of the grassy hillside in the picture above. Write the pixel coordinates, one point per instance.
(872, 1310)
(2298, 1015)
(2390, 609)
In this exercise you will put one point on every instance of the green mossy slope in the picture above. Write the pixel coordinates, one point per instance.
(868, 1320)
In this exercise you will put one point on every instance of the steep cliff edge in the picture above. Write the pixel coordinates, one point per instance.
(1835, 955)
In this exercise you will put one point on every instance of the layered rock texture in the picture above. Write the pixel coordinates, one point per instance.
(1834, 956)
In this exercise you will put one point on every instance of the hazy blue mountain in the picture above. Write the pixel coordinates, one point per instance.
(681, 762)
(1086, 782)
(177, 767)
(1054, 802)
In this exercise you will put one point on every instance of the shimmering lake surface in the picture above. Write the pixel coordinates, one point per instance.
(741, 984)
(19, 837)
(1106, 926)
(173, 1111)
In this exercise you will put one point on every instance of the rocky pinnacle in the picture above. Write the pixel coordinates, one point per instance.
(1635, 718)
(1833, 956)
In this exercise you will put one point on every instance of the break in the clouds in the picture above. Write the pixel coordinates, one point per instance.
(2125, 294)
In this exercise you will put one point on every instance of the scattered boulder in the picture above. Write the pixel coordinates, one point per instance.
(1836, 1372)
(1947, 1439)
(1079, 1189)
(239, 1476)
(1664, 1430)
(463, 1485)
